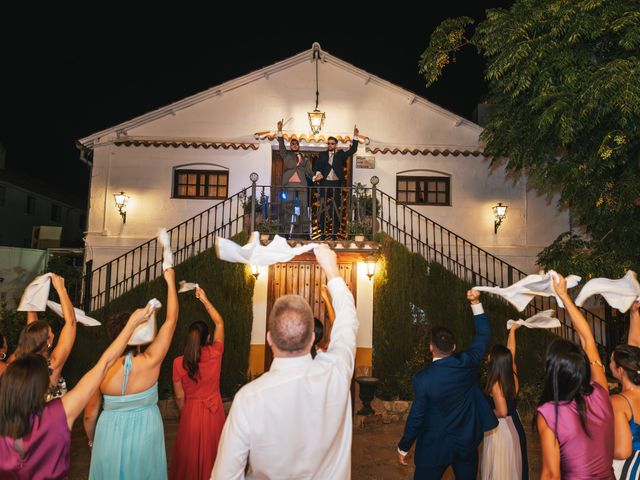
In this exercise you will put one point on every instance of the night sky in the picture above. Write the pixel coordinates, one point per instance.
(70, 70)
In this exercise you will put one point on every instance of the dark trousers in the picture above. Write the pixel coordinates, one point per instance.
(464, 469)
(301, 220)
(332, 190)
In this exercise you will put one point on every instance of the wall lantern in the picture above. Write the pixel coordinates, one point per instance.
(255, 271)
(370, 262)
(316, 118)
(121, 204)
(499, 213)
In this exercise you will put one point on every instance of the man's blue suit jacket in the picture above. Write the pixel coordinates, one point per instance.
(449, 414)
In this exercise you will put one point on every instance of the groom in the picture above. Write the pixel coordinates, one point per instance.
(449, 414)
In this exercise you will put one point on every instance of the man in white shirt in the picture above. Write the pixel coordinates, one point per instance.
(295, 420)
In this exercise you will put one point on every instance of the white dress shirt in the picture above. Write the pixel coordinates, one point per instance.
(295, 420)
(332, 174)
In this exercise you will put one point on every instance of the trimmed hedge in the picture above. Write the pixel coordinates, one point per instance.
(410, 296)
(229, 286)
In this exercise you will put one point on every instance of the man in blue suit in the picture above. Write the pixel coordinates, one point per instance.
(330, 172)
(449, 414)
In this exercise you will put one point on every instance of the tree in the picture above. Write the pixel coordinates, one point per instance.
(564, 90)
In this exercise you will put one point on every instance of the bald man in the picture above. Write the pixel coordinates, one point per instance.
(295, 420)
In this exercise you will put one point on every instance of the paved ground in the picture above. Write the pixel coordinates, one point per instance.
(373, 452)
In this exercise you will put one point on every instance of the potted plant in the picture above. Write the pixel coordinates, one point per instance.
(359, 230)
(266, 228)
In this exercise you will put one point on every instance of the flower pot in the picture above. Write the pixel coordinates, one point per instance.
(359, 238)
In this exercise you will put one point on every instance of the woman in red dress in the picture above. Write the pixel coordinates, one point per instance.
(196, 382)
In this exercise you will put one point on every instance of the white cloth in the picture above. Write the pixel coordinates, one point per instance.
(81, 317)
(35, 296)
(186, 286)
(542, 319)
(146, 332)
(167, 254)
(620, 293)
(501, 455)
(254, 253)
(522, 292)
(294, 421)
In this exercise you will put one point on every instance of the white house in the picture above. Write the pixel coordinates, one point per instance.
(227, 132)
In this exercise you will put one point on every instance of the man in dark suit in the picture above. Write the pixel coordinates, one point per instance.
(330, 172)
(296, 170)
(449, 414)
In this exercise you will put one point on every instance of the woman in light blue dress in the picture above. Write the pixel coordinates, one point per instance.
(128, 440)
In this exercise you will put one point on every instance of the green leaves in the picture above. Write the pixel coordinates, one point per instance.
(564, 89)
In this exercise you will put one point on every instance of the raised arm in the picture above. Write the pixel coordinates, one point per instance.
(481, 338)
(77, 398)
(634, 325)
(281, 148)
(91, 412)
(345, 327)
(31, 317)
(354, 145)
(160, 345)
(218, 336)
(511, 345)
(584, 332)
(68, 334)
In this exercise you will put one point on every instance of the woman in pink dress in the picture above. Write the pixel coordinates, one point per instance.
(574, 416)
(35, 436)
(196, 381)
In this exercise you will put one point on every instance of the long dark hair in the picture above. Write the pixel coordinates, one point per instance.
(33, 338)
(501, 370)
(628, 357)
(196, 339)
(567, 377)
(318, 329)
(22, 390)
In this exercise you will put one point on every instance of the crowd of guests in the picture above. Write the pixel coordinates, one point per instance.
(295, 421)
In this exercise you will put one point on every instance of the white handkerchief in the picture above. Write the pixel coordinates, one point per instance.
(542, 319)
(146, 332)
(186, 286)
(253, 253)
(620, 293)
(35, 296)
(522, 292)
(81, 317)
(167, 255)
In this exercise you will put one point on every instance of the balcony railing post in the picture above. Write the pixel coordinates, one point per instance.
(88, 275)
(254, 178)
(107, 284)
(374, 198)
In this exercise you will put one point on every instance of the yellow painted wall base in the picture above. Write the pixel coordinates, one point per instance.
(364, 357)
(256, 359)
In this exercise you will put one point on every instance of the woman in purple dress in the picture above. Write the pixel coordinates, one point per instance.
(35, 436)
(574, 415)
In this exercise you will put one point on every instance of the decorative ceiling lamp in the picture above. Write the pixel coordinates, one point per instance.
(316, 118)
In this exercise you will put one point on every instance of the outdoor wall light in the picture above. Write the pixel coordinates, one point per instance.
(499, 213)
(255, 271)
(316, 118)
(370, 262)
(121, 204)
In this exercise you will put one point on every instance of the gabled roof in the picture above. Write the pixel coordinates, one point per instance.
(305, 56)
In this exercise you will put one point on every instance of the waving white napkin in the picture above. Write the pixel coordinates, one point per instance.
(35, 296)
(186, 286)
(620, 293)
(254, 253)
(167, 254)
(146, 332)
(522, 292)
(542, 319)
(81, 317)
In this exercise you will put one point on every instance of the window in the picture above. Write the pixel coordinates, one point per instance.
(200, 184)
(423, 190)
(31, 205)
(56, 213)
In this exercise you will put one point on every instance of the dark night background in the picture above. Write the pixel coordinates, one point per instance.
(69, 70)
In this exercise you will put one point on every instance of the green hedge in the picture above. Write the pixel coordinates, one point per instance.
(229, 286)
(410, 296)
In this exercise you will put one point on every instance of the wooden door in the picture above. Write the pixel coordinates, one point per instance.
(304, 279)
